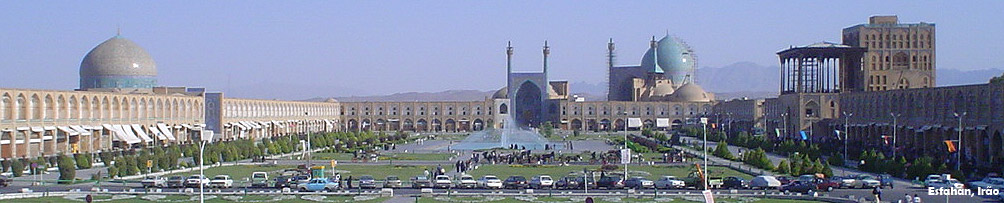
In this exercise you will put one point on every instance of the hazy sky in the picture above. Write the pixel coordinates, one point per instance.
(342, 48)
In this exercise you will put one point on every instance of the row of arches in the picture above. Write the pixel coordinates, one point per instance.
(634, 109)
(937, 105)
(28, 106)
(251, 108)
(419, 125)
(417, 109)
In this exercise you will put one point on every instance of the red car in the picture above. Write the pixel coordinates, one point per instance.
(825, 184)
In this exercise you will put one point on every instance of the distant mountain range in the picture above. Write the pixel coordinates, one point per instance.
(737, 80)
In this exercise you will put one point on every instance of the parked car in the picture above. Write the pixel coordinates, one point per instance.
(392, 182)
(516, 182)
(259, 179)
(443, 181)
(733, 182)
(885, 180)
(784, 179)
(221, 181)
(668, 182)
(176, 181)
(610, 182)
(988, 182)
(283, 182)
(318, 184)
(421, 182)
(153, 181)
(297, 180)
(367, 181)
(467, 181)
(764, 182)
(933, 178)
(196, 180)
(799, 186)
(541, 181)
(639, 183)
(864, 181)
(490, 182)
(826, 184)
(948, 183)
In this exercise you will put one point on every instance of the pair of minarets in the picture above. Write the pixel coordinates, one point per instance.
(509, 50)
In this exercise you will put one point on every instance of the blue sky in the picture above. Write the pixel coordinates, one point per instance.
(341, 48)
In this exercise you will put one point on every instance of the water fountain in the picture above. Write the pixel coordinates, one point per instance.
(503, 138)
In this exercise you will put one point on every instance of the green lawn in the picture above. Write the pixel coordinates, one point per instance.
(219, 199)
(390, 156)
(651, 172)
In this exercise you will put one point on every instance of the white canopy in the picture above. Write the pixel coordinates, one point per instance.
(167, 131)
(662, 122)
(141, 133)
(156, 132)
(68, 131)
(80, 130)
(121, 134)
(634, 122)
(37, 129)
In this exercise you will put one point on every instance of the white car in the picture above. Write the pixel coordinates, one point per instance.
(542, 181)
(932, 179)
(667, 182)
(490, 182)
(865, 181)
(765, 182)
(221, 181)
(195, 180)
(442, 181)
(467, 181)
(996, 183)
(154, 181)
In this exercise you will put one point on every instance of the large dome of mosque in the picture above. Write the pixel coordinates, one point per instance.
(672, 57)
(118, 63)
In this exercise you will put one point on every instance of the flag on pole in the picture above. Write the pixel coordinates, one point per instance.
(804, 137)
(951, 146)
(777, 132)
(885, 139)
(838, 134)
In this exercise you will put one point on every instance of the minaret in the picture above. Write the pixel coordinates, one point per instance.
(610, 53)
(547, 51)
(655, 53)
(508, 65)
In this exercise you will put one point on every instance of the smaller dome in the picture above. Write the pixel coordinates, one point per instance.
(663, 89)
(691, 92)
(331, 100)
(501, 93)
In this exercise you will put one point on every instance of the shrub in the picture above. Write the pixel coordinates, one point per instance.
(17, 167)
(722, 150)
(782, 167)
(83, 161)
(67, 169)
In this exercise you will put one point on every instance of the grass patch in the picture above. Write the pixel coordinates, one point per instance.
(416, 156)
(603, 200)
(652, 172)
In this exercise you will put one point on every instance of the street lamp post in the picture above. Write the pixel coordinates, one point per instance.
(895, 116)
(958, 166)
(625, 142)
(203, 138)
(846, 131)
(784, 119)
(307, 126)
(704, 126)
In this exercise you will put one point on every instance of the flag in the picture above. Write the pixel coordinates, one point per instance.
(804, 137)
(951, 146)
(838, 134)
(885, 139)
(777, 131)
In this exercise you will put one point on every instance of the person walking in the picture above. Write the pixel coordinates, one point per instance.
(877, 191)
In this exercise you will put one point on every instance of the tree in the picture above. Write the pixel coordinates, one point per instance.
(782, 167)
(722, 150)
(67, 170)
(83, 161)
(997, 79)
(836, 160)
(17, 167)
(546, 129)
